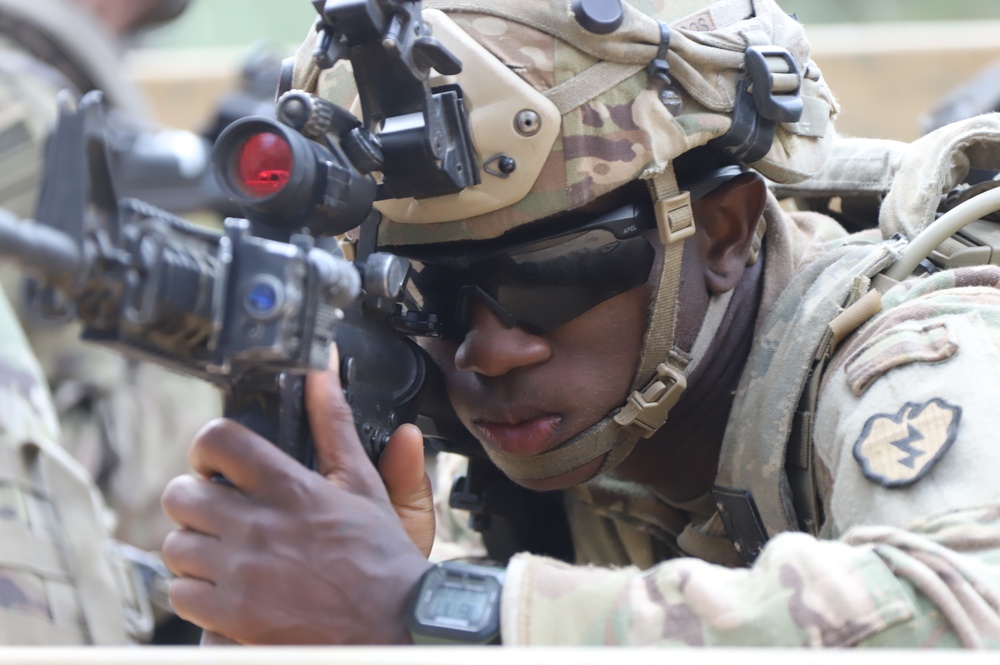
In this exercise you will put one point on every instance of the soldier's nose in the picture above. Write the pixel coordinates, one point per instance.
(491, 348)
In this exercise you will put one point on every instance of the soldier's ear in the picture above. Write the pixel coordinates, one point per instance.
(726, 223)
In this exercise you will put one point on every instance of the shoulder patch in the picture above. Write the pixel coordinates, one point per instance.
(898, 346)
(898, 450)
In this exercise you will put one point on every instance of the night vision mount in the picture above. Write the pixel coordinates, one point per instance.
(769, 93)
(418, 137)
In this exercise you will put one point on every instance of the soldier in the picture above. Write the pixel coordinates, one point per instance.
(51, 45)
(61, 580)
(754, 445)
(119, 418)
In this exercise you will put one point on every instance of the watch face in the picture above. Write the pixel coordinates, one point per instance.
(458, 604)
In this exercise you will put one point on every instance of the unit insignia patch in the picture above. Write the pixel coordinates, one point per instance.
(898, 450)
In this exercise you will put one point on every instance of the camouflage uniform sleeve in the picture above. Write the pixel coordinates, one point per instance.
(908, 554)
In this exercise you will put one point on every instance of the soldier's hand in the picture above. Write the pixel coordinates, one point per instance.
(287, 555)
(402, 469)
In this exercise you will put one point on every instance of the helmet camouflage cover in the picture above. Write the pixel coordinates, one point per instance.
(598, 121)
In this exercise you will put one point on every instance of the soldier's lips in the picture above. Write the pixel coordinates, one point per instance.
(526, 437)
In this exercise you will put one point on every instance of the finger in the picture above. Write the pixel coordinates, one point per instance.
(196, 601)
(402, 470)
(247, 460)
(339, 455)
(402, 466)
(199, 505)
(194, 555)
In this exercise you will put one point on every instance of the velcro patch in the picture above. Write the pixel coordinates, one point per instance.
(899, 450)
(896, 347)
(700, 22)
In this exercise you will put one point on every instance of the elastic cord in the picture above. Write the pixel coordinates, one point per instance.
(943, 227)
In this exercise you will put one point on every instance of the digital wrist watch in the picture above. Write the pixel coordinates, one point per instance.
(456, 603)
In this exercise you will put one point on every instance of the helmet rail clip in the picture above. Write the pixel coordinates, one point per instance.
(769, 93)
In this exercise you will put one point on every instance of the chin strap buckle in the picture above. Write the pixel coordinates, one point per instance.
(648, 409)
(674, 218)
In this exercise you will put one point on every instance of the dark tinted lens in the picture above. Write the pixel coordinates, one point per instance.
(540, 286)
(543, 284)
(546, 287)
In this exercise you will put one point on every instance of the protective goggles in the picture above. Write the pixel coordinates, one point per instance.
(543, 283)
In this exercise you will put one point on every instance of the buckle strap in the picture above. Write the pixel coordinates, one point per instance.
(674, 218)
(674, 215)
(648, 405)
(648, 408)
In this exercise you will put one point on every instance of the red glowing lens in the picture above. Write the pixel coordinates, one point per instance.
(264, 161)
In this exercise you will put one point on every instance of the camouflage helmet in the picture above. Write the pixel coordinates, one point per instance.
(581, 111)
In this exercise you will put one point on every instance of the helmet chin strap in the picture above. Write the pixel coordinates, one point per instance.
(661, 376)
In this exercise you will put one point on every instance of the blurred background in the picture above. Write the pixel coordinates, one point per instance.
(862, 11)
(890, 61)
(221, 23)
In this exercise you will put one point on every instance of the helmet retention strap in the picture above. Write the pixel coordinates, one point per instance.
(652, 398)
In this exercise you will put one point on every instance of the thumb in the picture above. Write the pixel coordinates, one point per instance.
(339, 454)
(409, 488)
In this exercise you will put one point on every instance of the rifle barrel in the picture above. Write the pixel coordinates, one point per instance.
(38, 248)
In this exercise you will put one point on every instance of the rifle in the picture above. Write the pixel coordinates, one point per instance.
(255, 307)
(172, 168)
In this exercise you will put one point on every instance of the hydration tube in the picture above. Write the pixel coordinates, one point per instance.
(942, 228)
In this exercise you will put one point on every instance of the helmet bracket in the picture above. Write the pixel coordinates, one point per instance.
(769, 93)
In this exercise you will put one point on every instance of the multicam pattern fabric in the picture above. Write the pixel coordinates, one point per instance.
(69, 49)
(912, 177)
(891, 566)
(931, 166)
(619, 130)
(906, 343)
(128, 424)
(54, 540)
